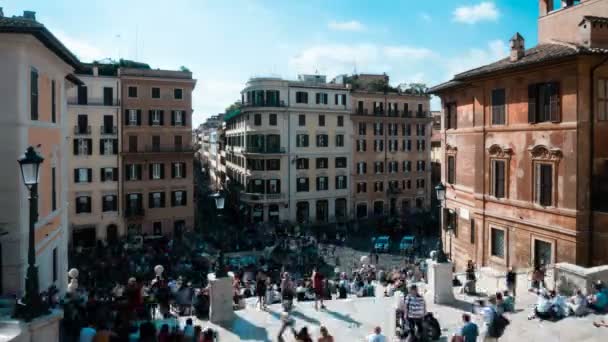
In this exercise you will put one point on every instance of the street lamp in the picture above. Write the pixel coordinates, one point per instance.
(220, 271)
(30, 172)
(440, 190)
(219, 200)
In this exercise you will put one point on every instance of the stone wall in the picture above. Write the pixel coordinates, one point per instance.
(569, 277)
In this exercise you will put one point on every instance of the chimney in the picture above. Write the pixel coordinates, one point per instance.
(29, 15)
(518, 49)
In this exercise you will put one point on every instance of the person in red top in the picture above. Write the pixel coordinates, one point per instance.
(317, 285)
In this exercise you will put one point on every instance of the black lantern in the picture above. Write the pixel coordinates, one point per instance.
(30, 167)
(440, 190)
(219, 200)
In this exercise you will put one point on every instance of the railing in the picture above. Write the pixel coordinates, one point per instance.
(81, 130)
(422, 114)
(361, 111)
(108, 130)
(93, 102)
(266, 149)
(407, 114)
(378, 112)
(265, 104)
(393, 191)
(168, 148)
(255, 197)
(134, 212)
(393, 112)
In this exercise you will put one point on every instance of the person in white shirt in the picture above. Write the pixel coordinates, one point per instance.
(376, 336)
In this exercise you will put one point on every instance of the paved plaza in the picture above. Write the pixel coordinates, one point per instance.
(354, 318)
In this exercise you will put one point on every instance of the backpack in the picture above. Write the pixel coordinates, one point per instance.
(497, 325)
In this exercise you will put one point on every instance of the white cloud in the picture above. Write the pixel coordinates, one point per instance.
(476, 57)
(84, 50)
(352, 25)
(425, 17)
(407, 52)
(484, 11)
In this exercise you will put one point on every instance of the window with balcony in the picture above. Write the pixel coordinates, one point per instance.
(339, 140)
(82, 95)
(302, 184)
(322, 183)
(132, 91)
(322, 140)
(156, 143)
(273, 164)
(178, 93)
(109, 203)
(321, 120)
(341, 182)
(178, 198)
(108, 96)
(83, 175)
(156, 200)
(155, 93)
(301, 140)
(302, 164)
(340, 162)
(82, 126)
(498, 107)
(272, 119)
(321, 163)
(301, 97)
(83, 204)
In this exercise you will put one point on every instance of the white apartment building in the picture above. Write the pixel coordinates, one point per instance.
(93, 120)
(289, 147)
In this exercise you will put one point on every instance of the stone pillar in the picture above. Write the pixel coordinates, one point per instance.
(220, 299)
(41, 329)
(440, 277)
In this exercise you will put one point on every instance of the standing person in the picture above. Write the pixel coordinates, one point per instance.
(469, 331)
(376, 336)
(494, 323)
(325, 336)
(317, 284)
(260, 289)
(511, 279)
(287, 292)
(87, 333)
(538, 277)
(414, 309)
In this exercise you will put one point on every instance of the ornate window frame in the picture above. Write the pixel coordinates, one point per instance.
(543, 155)
(498, 153)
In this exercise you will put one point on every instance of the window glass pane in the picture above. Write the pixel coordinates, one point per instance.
(498, 243)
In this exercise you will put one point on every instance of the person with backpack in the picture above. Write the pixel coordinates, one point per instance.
(494, 323)
(414, 310)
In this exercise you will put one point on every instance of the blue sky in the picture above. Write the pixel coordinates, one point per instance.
(224, 42)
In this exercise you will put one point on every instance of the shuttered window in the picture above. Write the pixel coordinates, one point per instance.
(33, 94)
(544, 184)
(602, 99)
(498, 107)
(544, 102)
(451, 169)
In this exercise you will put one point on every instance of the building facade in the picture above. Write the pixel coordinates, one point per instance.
(524, 160)
(156, 151)
(390, 152)
(93, 118)
(36, 74)
(289, 147)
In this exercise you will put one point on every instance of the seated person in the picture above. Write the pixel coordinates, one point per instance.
(508, 302)
(558, 303)
(577, 304)
(599, 301)
(543, 308)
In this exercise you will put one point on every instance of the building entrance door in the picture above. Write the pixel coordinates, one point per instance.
(542, 253)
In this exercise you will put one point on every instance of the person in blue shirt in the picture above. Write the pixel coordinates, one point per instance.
(469, 331)
(599, 301)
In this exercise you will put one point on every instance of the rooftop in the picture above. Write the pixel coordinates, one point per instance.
(27, 24)
(594, 20)
(539, 54)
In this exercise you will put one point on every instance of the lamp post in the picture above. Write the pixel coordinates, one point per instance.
(30, 172)
(221, 267)
(440, 191)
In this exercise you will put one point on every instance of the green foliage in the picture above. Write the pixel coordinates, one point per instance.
(184, 69)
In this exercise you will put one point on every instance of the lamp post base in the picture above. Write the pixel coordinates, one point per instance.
(31, 306)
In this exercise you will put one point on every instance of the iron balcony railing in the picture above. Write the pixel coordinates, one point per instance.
(266, 149)
(134, 211)
(94, 102)
(108, 130)
(265, 104)
(168, 148)
(82, 130)
(255, 197)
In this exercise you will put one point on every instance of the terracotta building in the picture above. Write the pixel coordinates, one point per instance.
(37, 72)
(156, 150)
(525, 152)
(390, 148)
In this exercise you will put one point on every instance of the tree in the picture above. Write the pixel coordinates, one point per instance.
(184, 69)
(236, 105)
